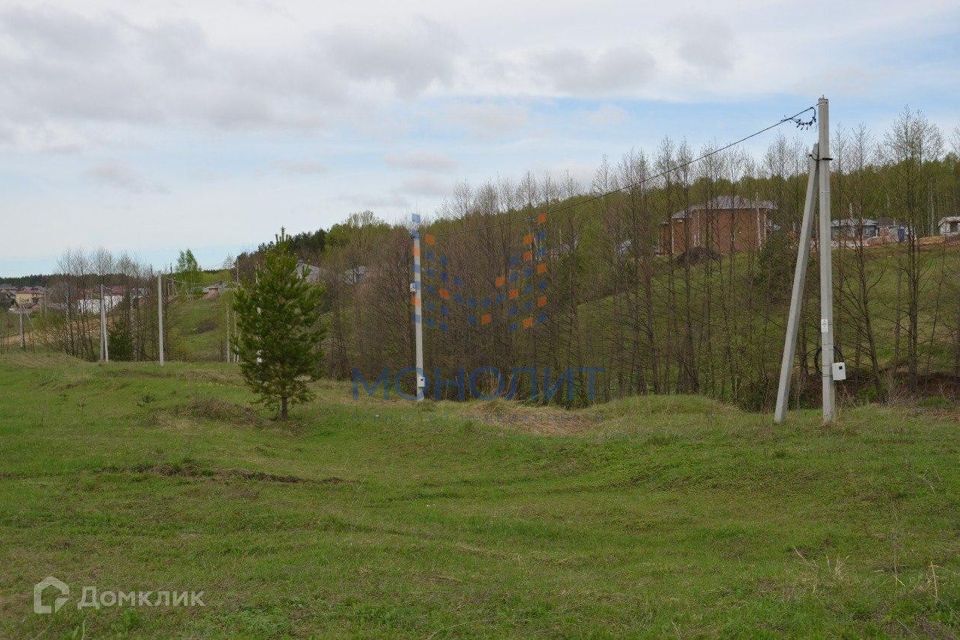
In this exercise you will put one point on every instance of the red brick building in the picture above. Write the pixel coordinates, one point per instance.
(725, 224)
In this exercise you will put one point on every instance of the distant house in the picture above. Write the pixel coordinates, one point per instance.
(30, 296)
(313, 272)
(215, 290)
(90, 302)
(949, 226)
(316, 274)
(854, 229)
(726, 224)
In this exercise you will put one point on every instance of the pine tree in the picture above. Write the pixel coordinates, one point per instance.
(279, 330)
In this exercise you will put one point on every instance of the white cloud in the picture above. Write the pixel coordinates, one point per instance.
(489, 119)
(302, 168)
(708, 46)
(63, 66)
(408, 60)
(621, 69)
(425, 185)
(118, 176)
(420, 161)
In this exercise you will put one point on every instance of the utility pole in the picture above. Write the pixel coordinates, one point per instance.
(23, 338)
(160, 318)
(826, 263)
(70, 318)
(104, 349)
(228, 335)
(819, 178)
(417, 290)
(796, 300)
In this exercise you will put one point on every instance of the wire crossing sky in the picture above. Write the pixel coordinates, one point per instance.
(152, 127)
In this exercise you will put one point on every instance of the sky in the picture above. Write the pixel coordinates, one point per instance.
(149, 127)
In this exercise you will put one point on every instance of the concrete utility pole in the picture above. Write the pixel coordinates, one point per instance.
(160, 318)
(826, 263)
(819, 177)
(23, 338)
(796, 300)
(417, 290)
(227, 358)
(104, 348)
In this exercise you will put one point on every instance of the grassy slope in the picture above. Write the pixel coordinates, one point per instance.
(197, 329)
(197, 326)
(644, 518)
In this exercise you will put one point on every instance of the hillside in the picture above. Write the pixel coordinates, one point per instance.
(647, 517)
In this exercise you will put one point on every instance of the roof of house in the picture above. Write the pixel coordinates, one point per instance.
(949, 219)
(724, 203)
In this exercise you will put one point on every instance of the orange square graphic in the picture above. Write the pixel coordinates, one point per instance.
(444, 294)
(528, 256)
(527, 323)
(542, 267)
(429, 239)
(500, 281)
(542, 301)
(528, 239)
(513, 293)
(486, 319)
(541, 218)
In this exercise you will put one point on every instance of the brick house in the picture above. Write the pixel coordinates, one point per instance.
(725, 224)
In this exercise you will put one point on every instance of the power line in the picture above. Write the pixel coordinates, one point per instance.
(583, 200)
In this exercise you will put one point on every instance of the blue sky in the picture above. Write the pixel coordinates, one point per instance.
(150, 127)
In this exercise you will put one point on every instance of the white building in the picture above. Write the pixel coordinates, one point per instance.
(949, 226)
(92, 305)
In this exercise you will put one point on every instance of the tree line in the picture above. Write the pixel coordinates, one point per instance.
(700, 322)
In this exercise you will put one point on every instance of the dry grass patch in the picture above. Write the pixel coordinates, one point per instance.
(539, 420)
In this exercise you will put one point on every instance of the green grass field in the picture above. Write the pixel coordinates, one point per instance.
(650, 517)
